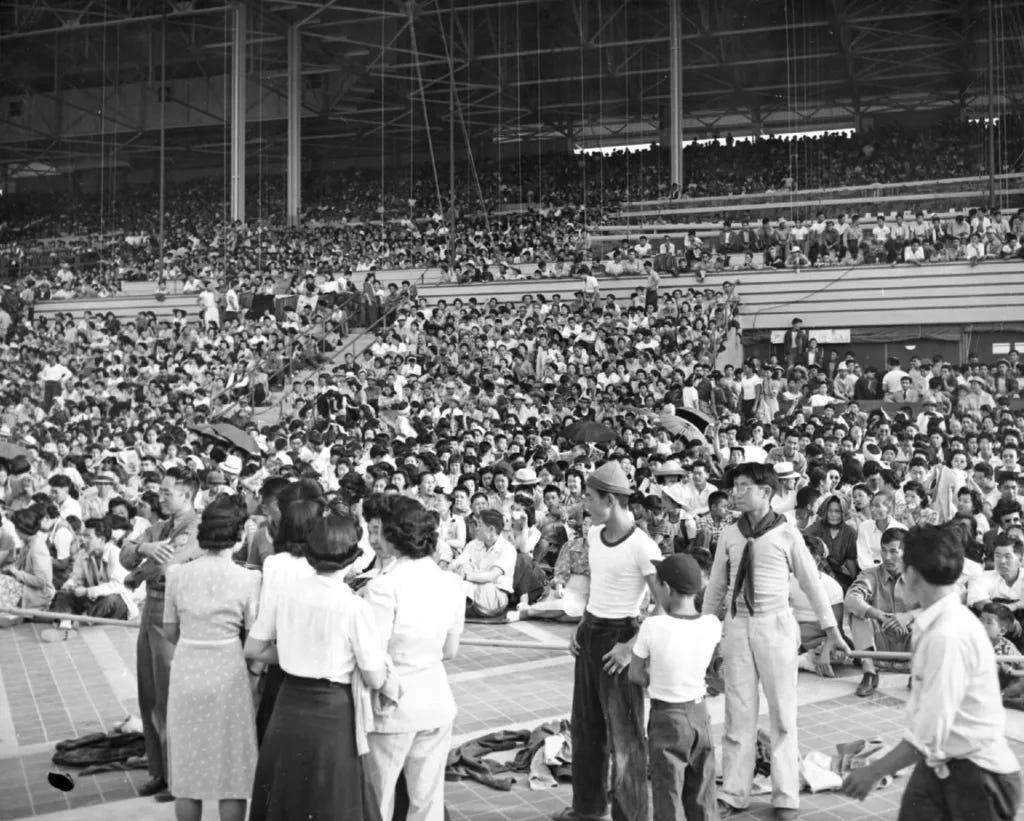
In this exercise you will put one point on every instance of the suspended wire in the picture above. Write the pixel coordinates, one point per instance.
(426, 115)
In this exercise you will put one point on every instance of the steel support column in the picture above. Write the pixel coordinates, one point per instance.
(238, 53)
(675, 129)
(294, 163)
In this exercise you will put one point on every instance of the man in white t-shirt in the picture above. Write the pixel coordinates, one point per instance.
(750, 389)
(607, 709)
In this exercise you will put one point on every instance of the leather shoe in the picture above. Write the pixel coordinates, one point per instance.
(153, 786)
(786, 813)
(727, 810)
(163, 797)
(867, 685)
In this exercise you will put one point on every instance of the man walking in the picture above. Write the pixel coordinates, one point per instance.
(169, 542)
(750, 583)
(607, 708)
(955, 739)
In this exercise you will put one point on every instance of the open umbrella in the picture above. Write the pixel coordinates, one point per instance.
(678, 426)
(699, 419)
(236, 437)
(586, 430)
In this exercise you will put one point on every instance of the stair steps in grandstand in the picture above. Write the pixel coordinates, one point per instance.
(869, 295)
(353, 343)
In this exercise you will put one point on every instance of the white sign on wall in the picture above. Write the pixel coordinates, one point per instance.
(825, 336)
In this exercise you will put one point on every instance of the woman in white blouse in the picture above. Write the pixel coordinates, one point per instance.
(419, 610)
(286, 565)
(308, 764)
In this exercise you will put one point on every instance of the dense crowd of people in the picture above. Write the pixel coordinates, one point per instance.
(400, 218)
(481, 460)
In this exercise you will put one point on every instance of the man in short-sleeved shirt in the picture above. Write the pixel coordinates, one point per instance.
(488, 567)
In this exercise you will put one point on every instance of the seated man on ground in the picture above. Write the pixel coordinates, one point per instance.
(96, 585)
(488, 567)
(812, 637)
(881, 610)
(570, 585)
(1003, 585)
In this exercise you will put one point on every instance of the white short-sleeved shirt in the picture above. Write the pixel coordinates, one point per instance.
(801, 605)
(322, 630)
(416, 606)
(680, 649)
(618, 573)
(748, 386)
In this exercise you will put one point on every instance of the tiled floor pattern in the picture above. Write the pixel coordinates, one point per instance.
(54, 691)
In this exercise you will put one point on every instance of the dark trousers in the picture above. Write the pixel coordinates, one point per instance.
(970, 793)
(51, 390)
(105, 607)
(607, 728)
(682, 762)
(153, 669)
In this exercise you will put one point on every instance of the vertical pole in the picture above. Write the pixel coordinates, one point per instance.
(451, 140)
(991, 131)
(294, 171)
(163, 109)
(238, 39)
(675, 129)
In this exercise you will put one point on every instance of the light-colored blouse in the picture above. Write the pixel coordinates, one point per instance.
(322, 629)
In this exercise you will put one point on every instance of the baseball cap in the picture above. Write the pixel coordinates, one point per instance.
(680, 572)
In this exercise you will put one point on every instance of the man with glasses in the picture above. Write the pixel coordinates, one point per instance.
(169, 542)
(749, 584)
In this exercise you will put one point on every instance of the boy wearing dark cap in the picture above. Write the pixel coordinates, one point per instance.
(670, 657)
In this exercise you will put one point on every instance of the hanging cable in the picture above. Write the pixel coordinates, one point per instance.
(426, 114)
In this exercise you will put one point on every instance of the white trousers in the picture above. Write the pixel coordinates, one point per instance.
(760, 649)
(422, 756)
(487, 597)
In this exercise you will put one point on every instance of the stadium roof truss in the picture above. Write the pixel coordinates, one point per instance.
(75, 74)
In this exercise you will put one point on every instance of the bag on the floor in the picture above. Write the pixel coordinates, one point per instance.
(99, 748)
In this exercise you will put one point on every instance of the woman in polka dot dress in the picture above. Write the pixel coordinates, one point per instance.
(211, 731)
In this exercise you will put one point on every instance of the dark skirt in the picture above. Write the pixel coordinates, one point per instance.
(308, 767)
(271, 686)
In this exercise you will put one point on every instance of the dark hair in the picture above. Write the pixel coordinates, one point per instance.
(894, 534)
(763, 475)
(272, 488)
(300, 490)
(376, 506)
(152, 499)
(183, 477)
(409, 528)
(332, 542)
(296, 519)
(221, 524)
(935, 552)
(101, 527)
(716, 497)
(493, 518)
(1003, 614)
(976, 502)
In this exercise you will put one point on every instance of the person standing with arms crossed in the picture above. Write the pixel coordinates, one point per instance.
(607, 708)
(173, 541)
(750, 583)
(964, 770)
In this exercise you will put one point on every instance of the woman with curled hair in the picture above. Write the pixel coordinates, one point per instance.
(210, 729)
(308, 763)
(419, 610)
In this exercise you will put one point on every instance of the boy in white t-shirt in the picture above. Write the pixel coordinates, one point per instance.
(670, 657)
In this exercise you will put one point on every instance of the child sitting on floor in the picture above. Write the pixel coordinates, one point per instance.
(997, 619)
